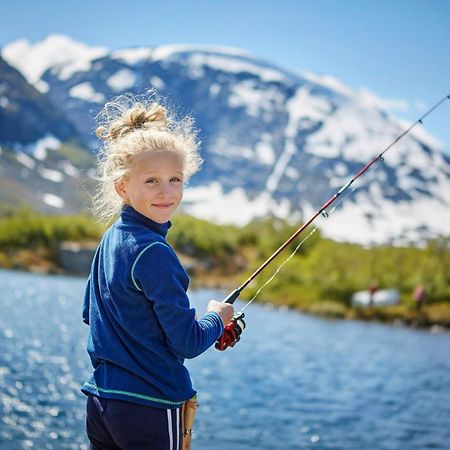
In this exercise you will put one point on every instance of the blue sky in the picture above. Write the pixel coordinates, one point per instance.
(397, 49)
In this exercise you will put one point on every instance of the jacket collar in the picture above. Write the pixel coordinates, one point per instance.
(129, 214)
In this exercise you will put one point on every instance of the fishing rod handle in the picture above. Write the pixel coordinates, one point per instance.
(232, 297)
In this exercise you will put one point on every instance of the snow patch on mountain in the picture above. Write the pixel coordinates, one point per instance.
(4, 102)
(254, 99)
(232, 65)
(157, 82)
(165, 52)
(330, 82)
(37, 150)
(232, 149)
(210, 202)
(372, 101)
(52, 175)
(53, 52)
(53, 200)
(133, 56)
(368, 101)
(309, 108)
(419, 132)
(25, 160)
(122, 80)
(85, 91)
(363, 221)
(40, 148)
(293, 106)
(342, 136)
(264, 150)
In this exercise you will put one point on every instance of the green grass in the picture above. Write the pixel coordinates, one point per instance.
(26, 229)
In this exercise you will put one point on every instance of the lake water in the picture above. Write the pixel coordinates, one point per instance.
(293, 382)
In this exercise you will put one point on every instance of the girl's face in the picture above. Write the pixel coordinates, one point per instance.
(154, 186)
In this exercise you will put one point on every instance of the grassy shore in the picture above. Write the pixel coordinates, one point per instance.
(320, 279)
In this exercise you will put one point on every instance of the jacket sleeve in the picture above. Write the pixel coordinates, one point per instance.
(159, 275)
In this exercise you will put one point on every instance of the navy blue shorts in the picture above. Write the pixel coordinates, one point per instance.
(116, 424)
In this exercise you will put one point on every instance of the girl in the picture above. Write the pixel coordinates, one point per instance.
(141, 324)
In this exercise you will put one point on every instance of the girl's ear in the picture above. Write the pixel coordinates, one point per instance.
(121, 190)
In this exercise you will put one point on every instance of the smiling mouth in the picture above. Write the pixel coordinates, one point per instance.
(162, 205)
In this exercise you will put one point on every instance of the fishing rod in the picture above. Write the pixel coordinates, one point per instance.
(233, 330)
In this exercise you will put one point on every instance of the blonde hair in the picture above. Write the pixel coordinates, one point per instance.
(129, 126)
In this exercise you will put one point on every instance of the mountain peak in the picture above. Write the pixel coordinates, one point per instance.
(33, 60)
(165, 51)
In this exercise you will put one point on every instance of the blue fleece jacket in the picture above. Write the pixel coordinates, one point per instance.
(141, 324)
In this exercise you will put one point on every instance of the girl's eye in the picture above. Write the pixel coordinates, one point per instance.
(176, 179)
(152, 180)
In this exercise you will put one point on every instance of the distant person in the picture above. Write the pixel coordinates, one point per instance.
(373, 288)
(419, 297)
(142, 326)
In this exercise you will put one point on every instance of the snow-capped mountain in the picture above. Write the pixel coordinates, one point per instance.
(274, 142)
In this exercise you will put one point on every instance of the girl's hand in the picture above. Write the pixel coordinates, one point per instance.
(225, 310)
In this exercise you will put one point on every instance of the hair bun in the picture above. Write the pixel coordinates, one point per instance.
(137, 117)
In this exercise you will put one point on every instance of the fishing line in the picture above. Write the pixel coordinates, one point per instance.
(325, 214)
(280, 267)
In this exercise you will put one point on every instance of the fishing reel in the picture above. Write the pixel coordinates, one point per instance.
(231, 333)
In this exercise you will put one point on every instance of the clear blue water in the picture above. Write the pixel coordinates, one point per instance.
(293, 382)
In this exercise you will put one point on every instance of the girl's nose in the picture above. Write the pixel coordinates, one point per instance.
(164, 190)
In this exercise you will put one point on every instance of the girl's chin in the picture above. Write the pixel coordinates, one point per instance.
(159, 216)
